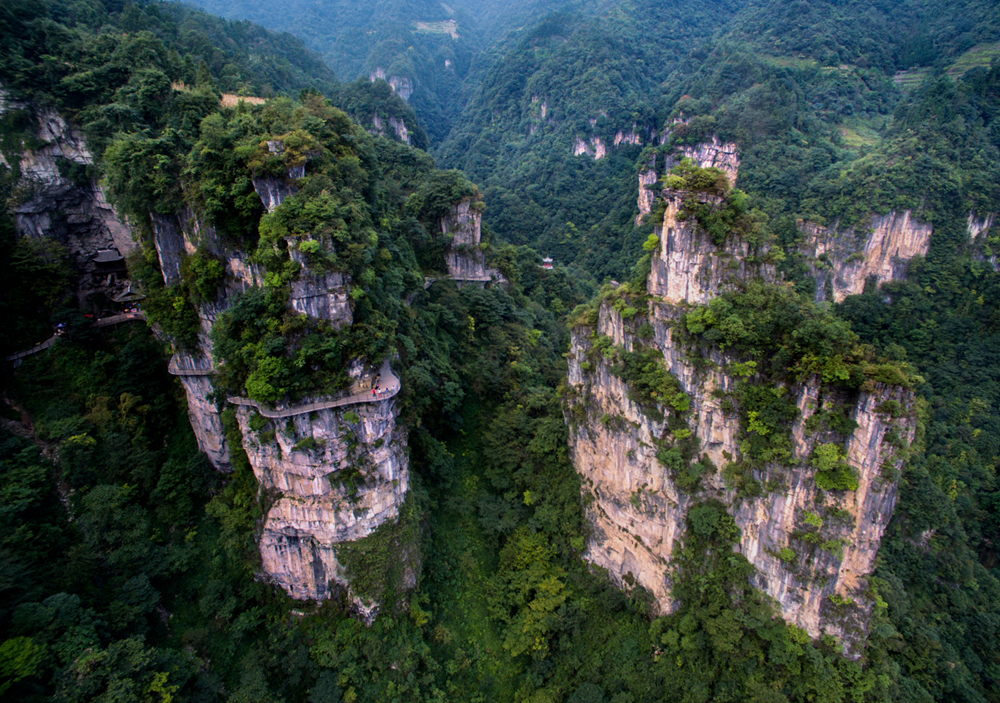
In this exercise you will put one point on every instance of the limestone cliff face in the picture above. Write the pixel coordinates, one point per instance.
(638, 511)
(724, 156)
(813, 549)
(463, 257)
(194, 371)
(843, 261)
(593, 147)
(323, 296)
(176, 236)
(647, 196)
(815, 588)
(395, 126)
(340, 475)
(351, 476)
(401, 85)
(629, 137)
(71, 209)
(273, 191)
(336, 474)
(980, 236)
(688, 267)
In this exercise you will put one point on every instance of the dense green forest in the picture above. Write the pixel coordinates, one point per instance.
(128, 566)
(432, 44)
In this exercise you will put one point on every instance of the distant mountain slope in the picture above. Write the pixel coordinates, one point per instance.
(428, 46)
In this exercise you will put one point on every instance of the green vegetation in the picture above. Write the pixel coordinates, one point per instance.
(720, 211)
(832, 471)
(791, 338)
(128, 565)
(376, 565)
(39, 277)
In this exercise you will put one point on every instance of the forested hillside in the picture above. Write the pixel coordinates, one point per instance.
(430, 46)
(130, 568)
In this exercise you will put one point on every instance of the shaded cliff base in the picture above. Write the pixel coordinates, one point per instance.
(55, 196)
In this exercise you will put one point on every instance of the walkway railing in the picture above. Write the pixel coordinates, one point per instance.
(124, 317)
(175, 369)
(103, 322)
(429, 280)
(34, 350)
(388, 387)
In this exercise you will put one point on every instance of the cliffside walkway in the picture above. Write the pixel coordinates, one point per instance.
(429, 280)
(387, 380)
(118, 319)
(174, 368)
(34, 350)
(103, 322)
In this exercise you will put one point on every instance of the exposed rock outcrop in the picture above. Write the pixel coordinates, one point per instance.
(274, 191)
(844, 261)
(629, 137)
(463, 257)
(980, 237)
(340, 474)
(395, 126)
(714, 154)
(56, 198)
(336, 474)
(812, 549)
(169, 241)
(593, 147)
(724, 156)
(206, 420)
(324, 296)
(647, 195)
(688, 267)
(401, 85)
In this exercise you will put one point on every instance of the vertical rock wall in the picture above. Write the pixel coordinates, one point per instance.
(979, 235)
(395, 125)
(463, 257)
(688, 267)
(813, 549)
(647, 196)
(843, 261)
(401, 85)
(337, 474)
(340, 474)
(638, 511)
(593, 147)
(724, 156)
(70, 208)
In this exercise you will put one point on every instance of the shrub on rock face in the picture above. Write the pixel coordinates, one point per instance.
(832, 471)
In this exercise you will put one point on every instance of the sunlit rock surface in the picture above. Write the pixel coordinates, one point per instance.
(635, 506)
(843, 262)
